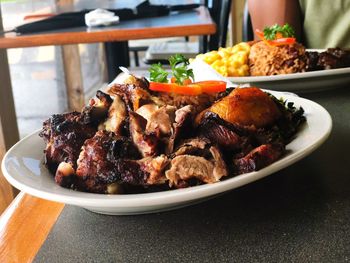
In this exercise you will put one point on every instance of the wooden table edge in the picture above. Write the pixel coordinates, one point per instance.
(24, 227)
(109, 35)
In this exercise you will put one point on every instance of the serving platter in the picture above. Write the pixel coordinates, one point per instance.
(23, 167)
(299, 82)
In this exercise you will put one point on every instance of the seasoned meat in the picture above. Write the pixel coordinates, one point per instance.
(183, 126)
(199, 102)
(97, 110)
(65, 175)
(64, 135)
(258, 158)
(117, 116)
(161, 120)
(133, 96)
(97, 161)
(147, 143)
(196, 161)
(330, 59)
(246, 106)
(137, 82)
(228, 136)
(134, 140)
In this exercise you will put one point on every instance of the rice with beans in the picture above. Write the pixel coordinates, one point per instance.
(266, 60)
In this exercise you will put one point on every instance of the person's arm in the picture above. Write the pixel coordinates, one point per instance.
(269, 12)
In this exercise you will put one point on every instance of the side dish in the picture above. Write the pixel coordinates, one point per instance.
(276, 53)
(133, 139)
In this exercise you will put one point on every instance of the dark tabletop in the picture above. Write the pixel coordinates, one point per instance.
(299, 214)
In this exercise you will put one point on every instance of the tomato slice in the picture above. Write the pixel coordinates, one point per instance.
(211, 86)
(196, 88)
(191, 89)
(279, 41)
(162, 87)
(283, 41)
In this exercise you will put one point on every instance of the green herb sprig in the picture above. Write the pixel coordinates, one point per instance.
(158, 74)
(285, 30)
(179, 69)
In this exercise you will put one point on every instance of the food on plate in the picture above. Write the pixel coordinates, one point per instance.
(132, 139)
(266, 59)
(230, 61)
(276, 53)
(246, 107)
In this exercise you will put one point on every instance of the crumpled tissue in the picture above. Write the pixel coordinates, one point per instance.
(100, 17)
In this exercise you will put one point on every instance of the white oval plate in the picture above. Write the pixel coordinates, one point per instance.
(299, 82)
(23, 168)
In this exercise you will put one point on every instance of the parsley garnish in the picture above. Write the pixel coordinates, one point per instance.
(179, 68)
(158, 74)
(285, 31)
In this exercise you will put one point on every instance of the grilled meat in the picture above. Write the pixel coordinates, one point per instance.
(117, 117)
(64, 135)
(330, 59)
(130, 140)
(147, 143)
(228, 136)
(196, 161)
(182, 127)
(258, 158)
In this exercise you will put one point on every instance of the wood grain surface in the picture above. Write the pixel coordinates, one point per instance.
(24, 227)
(169, 26)
(73, 77)
(8, 125)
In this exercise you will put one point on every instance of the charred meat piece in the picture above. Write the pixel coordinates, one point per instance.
(199, 102)
(97, 110)
(133, 96)
(64, 135)
(147, 143)
(196, 161)
(161, 120)
(183, 126)
(228, 136)
(258, 158)
(138, 82)
(330, 59)
(97, 161)
(117, 117)
(65, 175)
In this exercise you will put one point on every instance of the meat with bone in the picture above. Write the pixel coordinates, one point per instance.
(117, 117)
(258, 158)
(182, 127)
(108, 160)
(133, 96)
(228, 136)
(64, 135)
(196, 161)
(147, 143)
(97, 110)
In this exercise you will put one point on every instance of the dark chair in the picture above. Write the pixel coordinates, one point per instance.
(220, 12)
(247, 30)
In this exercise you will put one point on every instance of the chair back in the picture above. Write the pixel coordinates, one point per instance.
(220, 12)
(247, 28)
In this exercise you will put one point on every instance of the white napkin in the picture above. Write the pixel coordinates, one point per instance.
(100, 17)
(202, 71)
